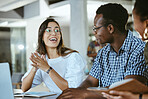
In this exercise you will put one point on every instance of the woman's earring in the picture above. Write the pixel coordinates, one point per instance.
(145, 35)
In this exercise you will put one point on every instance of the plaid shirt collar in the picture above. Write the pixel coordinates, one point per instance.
(125, 46)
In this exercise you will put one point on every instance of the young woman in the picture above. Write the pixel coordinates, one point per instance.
(140, 13)
(54, 64)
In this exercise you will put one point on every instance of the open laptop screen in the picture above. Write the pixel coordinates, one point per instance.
(6, 91)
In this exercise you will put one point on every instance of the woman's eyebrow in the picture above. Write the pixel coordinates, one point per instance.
(56, 27)
(48, 27)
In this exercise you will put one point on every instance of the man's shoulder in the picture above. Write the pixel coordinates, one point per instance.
(134, 38)
(137, 45)
(137, 42)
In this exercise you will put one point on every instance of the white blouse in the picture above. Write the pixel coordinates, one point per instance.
(70, 67)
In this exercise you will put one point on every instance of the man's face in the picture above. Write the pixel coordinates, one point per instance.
(100, 31)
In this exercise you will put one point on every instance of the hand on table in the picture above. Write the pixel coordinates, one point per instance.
(77, 93)
(72, 93)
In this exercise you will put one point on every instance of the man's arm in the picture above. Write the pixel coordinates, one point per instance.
(81, 92)
(89, 82)
(138, 77)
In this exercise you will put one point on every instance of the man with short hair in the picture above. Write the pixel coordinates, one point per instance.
(122, 58)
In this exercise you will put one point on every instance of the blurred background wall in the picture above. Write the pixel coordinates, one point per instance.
(20, 20)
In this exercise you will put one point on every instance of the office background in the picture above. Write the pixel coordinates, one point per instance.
(20, 20)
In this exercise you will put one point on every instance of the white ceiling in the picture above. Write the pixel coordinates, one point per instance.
(60, 10)
(7, 5)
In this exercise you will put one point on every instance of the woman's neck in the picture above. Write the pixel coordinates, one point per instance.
(52, 53)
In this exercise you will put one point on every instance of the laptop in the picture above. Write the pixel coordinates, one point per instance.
(6, 91)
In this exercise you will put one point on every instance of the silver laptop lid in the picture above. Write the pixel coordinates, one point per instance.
(6, 91)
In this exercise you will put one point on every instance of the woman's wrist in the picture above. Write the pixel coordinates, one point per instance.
(34, 69)
(48, 70)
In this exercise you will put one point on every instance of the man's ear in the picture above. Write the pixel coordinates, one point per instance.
(110, 28)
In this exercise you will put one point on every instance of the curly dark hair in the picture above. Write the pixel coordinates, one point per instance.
(114, 14)
(41, 49)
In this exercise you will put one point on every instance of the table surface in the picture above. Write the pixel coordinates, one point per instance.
(46, 97)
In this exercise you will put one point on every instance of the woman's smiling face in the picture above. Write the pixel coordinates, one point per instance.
(52, 35)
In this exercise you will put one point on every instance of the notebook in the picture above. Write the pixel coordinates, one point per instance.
(6, 91)
(34, 94)
(131, 85)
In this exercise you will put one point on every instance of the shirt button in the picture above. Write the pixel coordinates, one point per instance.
(117, 58)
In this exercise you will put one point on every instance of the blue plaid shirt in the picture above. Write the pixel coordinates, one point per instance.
(110, 67)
